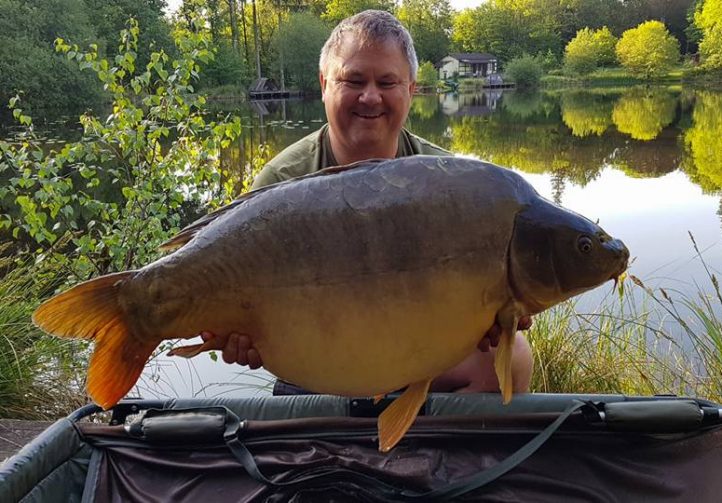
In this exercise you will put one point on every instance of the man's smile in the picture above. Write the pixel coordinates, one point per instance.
(368, 115)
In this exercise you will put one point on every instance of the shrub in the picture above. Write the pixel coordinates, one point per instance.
(525, 71)
(648, 50)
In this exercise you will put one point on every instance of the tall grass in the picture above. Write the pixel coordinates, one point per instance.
(40, 376)
(647, 341)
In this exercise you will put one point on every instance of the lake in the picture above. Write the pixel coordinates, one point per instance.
(645, 162)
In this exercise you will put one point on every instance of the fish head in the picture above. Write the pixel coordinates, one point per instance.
(556, 254)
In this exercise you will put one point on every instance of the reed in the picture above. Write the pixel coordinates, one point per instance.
(40, 377)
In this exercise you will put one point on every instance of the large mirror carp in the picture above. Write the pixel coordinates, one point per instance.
(357, 280)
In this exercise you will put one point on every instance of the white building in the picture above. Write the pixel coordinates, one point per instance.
(467, 64)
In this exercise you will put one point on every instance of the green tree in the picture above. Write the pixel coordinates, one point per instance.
(508, 29)
(501, 32)
(28, 63)
(429, 22)
(427, 76)
(111, 16)
(709, 21)
(302, 38)
(590, 49)
(648, 49)
(337, 10)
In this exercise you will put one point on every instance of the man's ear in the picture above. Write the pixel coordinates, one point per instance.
(322, 80)
(412, 87)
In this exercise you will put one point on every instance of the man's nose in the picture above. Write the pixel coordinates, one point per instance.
(371, 95)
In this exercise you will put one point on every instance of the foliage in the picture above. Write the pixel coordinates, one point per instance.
(648, 49)
(429, 22)
(27, 61)
(590, 49)
(226, 68)
(525, 71)
(40, 377)
(302, 38)
(338, 10)
(110, 17)
(427, 75)
(505, 32)
(122, 189)
(709, 21)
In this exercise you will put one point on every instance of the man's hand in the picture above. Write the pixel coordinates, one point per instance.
(237, 348)
(491, 339)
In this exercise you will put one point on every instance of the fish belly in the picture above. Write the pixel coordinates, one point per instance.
(374, 335)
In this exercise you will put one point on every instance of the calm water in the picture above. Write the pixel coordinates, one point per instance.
(647, 163)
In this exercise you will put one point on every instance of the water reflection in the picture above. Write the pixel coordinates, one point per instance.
(585, 113)
(643, 114)
(469, 104)
(703, 142)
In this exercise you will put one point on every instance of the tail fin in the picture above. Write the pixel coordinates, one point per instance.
(91, 310)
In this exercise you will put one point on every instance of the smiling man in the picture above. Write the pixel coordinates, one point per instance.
(368, 76)
(367, 71)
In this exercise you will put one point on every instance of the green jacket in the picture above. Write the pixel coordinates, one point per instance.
(313, 153)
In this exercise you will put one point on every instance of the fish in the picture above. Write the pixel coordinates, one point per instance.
(355, 280)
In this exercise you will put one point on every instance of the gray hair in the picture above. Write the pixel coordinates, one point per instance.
(371, 26)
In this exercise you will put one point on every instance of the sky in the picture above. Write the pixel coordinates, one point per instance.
(456, 4)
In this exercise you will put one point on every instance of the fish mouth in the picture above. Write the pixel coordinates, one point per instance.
(621, 272)
(623, 255)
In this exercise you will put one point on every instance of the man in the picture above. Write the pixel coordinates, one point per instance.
(368, 77)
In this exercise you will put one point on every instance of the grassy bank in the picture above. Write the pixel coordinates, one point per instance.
(611, 77)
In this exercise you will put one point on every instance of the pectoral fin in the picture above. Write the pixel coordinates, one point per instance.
(398, 417)
(508, 319)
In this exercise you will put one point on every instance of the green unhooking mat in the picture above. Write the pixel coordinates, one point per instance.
(320, 449)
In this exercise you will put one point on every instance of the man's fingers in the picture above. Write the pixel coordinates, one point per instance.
(230, 350)
(254, 359)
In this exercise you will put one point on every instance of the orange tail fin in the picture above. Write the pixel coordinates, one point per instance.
(91, 310)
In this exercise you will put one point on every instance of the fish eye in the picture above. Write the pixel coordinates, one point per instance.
(585, 244)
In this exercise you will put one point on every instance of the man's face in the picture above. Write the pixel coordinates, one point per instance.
(367, 93)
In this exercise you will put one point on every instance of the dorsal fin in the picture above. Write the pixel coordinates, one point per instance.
(187, 233)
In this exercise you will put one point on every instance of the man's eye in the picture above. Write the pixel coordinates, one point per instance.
(387, 85)
(354, 83)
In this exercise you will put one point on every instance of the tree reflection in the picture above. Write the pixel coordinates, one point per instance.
(424, 107)
(703, 143)
(643, 113)
(585, 113)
